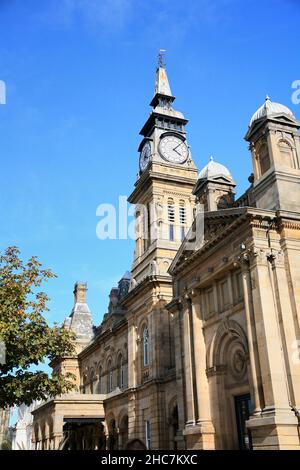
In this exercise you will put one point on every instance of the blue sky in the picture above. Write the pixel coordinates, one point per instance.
(80, 76)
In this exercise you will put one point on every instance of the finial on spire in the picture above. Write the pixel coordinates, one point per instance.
(267, 98)
(211, 158)
(162, 84)
(161, 59)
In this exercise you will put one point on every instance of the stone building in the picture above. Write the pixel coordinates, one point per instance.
(4, 427)
(22, 431)
(199, 347)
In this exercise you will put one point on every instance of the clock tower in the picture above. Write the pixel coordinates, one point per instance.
(163, 191)
(164, 206)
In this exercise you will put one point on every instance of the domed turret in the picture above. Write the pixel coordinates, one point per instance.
(273, 135)
(215, 187)
(270, 108)
(213, 169)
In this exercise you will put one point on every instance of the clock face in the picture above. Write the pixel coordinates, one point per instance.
(145, 156)
(173, 149)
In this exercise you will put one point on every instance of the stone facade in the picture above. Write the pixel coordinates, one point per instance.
(199, 347)
(4, 426)
(22, 431)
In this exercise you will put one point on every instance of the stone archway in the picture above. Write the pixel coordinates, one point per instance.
(173, 423)
(112, 441)
(229, 382)
(123, 432)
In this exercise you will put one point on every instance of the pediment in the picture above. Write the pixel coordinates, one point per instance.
(204, 231)
(283, 118)
(221, 179)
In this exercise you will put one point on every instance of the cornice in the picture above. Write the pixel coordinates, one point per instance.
(255, 217)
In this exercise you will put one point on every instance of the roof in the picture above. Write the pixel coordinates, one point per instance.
(162, 83)
(270, 108)
(213, 169)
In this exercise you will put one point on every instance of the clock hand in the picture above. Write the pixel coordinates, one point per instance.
(176, 151)
(178, 146)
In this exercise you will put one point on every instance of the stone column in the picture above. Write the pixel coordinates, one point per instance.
(132, 353)
(276, 428)
(179, 364)
(202, 398)
(188, 367)
(255, 379)
(287, 325)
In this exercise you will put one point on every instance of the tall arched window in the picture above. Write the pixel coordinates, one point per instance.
(84, 382)
(109, 377)
(146, 225)
(92, 379)
(171, 218)
(263, 158)
(182, 219)
(138, 234)
(146, 346)
(286, 154)
(120, 372)
(100, 385)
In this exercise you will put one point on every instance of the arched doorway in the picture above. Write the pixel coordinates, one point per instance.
(173, 424)
(123, 433)
(229, 381)
(112, 442)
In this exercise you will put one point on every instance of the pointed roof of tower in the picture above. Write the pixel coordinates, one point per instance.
(162, 100)
(162, 85)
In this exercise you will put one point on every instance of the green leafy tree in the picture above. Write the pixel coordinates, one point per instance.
(28, 339)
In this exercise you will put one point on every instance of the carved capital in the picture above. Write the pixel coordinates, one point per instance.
(275, 257)
(216, 370)
(194, 293)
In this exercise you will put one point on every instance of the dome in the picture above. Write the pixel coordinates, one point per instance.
(268, 109)
(213, 169)
(127, 276)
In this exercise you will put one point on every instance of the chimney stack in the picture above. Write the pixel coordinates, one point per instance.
(80, 290)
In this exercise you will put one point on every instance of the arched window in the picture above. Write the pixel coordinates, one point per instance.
(286, 154)
(92, 379)
(171, 218)
(146, 346)
(263, 158)
(182, 219)
(100, 385)
(84, 383)
(109, 377)
(146, 226)
(222, 203)
(112, 435)
(121, 375)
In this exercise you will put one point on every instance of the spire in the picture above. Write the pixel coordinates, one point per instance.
(162, 83)
(162, 87)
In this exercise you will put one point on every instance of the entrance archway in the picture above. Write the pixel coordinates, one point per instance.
(229, 380)
(123, 432)
(173, 424)
(112, 435)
